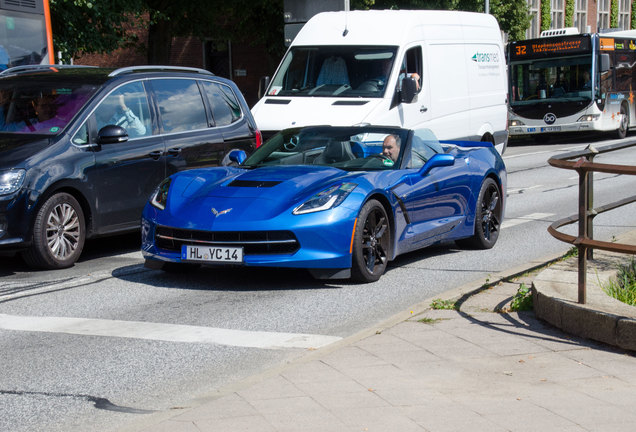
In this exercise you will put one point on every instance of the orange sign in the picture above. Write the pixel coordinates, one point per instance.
(607, 44)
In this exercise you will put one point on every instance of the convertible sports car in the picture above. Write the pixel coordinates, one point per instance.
(326, 199)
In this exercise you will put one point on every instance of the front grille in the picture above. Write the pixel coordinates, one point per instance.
(253, 242)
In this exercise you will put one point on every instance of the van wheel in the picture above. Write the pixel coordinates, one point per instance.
(621, 132)
(58, 233)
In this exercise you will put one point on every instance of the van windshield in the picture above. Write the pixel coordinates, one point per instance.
(328, 71)
(36, 108)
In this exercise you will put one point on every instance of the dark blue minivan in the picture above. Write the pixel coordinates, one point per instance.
(82, 148)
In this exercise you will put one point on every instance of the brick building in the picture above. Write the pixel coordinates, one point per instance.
(588, 16)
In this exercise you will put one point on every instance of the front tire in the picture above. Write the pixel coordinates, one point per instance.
(58, 233)
(621, 132)
(488, 214)
(371, 243)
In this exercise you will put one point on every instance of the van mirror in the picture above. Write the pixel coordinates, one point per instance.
(262, 86)
(409, 90)
(604, 64)
(112, 134)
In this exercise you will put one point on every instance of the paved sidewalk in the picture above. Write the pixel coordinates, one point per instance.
(471, 369)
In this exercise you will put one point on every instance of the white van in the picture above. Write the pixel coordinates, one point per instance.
(348, 67)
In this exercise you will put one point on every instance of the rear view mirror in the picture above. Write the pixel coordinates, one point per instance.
(112, 134)
(238, 156)
(604, 64)
(262, 86)
(409, 90)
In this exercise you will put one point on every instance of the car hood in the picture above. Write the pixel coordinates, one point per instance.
(17, 148)
(227, 194)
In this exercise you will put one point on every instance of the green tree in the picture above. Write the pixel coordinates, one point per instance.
(546, 16)
(569, 13)
(614, 14)
(97, 26)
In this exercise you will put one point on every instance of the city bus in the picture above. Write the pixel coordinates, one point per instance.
(566, 81)
(25, 33)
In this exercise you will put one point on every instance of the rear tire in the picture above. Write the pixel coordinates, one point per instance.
(58, 234)
(371, 243)
(488, 213)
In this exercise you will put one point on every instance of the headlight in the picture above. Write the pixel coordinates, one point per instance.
(160, 196)
(589, 117)
(11, 181)
(328, 198)
(515, 123)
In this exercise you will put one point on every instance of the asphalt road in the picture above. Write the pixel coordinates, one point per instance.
(96, 346)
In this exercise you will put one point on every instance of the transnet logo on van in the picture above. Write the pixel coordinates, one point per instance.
(486, 57)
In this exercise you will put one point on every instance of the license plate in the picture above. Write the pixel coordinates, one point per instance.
(551, 129)
(226, 254)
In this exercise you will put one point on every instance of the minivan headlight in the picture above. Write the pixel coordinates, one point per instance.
(326, 199)
(11, 181)
(159, 197)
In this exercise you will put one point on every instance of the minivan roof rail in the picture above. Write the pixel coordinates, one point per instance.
(131, 69)
(40, 68)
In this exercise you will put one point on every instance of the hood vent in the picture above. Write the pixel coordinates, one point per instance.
(253, 183)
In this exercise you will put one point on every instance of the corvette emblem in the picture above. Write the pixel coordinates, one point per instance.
(219, 213)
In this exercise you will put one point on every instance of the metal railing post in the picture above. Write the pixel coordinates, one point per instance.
(582, 249)
(591, 213)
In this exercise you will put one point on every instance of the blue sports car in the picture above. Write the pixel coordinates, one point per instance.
(339, 201)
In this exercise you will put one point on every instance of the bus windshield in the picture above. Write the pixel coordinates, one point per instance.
(328, 71)
(563, 79)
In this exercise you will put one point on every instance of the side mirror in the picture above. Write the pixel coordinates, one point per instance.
(604, 64)
(112, 134)
(262, 86)
(409, 90)
(438, 160)
(238, 156)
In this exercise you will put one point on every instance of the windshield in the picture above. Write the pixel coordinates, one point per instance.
(347, 148)
(40, 108)
(565, 79)
(343, 71)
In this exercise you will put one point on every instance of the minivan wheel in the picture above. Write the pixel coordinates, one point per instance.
(58, 233)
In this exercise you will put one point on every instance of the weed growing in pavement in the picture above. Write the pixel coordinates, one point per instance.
(430, 321)
(522, 300)
(444, 304)
(623, 287)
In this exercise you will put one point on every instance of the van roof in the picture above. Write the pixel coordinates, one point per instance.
(395, 27)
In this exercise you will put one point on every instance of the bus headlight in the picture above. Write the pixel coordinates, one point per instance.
(515, 123)
(589, 117)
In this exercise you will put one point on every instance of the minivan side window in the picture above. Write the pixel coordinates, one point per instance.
(126, 106)
(180, 105)
(225, 107)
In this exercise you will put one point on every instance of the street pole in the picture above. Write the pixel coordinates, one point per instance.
(487, 7)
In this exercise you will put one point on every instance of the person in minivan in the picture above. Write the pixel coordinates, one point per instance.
(122, 116)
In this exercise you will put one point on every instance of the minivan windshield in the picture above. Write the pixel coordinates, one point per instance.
(328, 71)
(37, 108)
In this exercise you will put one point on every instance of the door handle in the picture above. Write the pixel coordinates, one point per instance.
(155, 154)
(175, 151)
(423, 109)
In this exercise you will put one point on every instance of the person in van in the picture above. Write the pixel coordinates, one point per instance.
(122, 115)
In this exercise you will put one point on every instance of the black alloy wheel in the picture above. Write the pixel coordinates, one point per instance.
(371, 243)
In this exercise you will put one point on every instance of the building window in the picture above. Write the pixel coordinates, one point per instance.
(535, 29)
(580, 15)
(624, 9)
(557, 13)
(603, 18)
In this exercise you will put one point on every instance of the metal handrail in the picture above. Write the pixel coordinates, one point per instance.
(585, 166)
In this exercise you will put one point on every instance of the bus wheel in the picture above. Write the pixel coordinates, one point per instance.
(621, 132)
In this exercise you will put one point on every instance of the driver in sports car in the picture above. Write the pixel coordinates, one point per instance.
(391, 147)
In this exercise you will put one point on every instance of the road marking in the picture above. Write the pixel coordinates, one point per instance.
(522, 190)
(524, 219)
(164, 332)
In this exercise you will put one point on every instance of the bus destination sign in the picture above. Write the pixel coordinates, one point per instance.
(548, 47)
